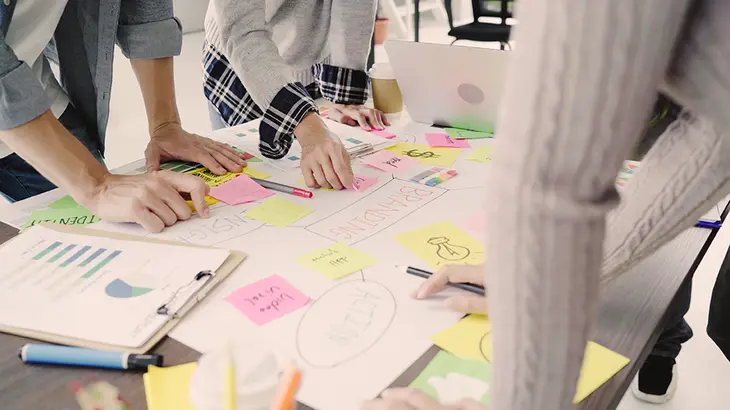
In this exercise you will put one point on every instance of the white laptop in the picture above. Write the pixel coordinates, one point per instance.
(450, 86)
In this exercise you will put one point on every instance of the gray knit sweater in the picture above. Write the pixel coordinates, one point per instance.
(583, 78)
(272, 43)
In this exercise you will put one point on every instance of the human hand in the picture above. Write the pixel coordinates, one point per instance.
(152, 200)
(414, 399)
(457, 274)
(367, 118)
(170, 142)
(325, 161)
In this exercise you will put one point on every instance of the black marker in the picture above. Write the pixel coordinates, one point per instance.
(463, 286)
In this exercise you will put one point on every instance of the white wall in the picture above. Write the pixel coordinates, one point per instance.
(191, 13)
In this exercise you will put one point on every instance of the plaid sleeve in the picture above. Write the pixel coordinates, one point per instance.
(341, 85)
(288, 108)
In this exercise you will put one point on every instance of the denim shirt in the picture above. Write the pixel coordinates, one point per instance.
(83, 48)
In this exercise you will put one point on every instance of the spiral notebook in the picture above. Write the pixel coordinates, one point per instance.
(80, 287)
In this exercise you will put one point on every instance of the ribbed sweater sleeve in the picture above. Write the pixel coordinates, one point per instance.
(582, 81)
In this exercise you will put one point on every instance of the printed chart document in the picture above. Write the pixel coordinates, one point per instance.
(98, 289)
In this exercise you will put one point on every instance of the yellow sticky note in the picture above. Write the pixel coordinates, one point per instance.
(471, 338)
(468, 339)
(426, 154)
(599, 365)
(442, 244)
(278, 212)
(303, 182)
(255, 173)
(168, 388)
(212, 179)
(337, 260)
(208, 200)
(481, 154)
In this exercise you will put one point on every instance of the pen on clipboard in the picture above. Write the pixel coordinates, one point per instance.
(463, 286)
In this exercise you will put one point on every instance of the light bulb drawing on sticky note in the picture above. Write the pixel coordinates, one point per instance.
(449, 251)
(455, 386)
(443, 243)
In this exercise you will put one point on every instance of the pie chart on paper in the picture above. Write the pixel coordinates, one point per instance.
(123, 290)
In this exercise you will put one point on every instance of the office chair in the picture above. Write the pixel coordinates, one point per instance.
(479, 31)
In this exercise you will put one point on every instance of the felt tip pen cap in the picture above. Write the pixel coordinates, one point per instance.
(302, 192)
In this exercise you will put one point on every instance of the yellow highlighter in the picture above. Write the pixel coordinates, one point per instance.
(230, 391)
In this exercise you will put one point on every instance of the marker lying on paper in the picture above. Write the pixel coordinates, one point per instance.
(463, 286)
(709, 224)
(78, 356)
(284, 188)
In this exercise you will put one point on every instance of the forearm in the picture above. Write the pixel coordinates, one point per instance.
(57, 155)
(570, 115)
(157, 82)
(684, 174)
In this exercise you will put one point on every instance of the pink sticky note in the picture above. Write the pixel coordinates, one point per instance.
(240, 190)
(267, 299)
(362, 182)
(443, 140)
(385, 134)
(389, 162)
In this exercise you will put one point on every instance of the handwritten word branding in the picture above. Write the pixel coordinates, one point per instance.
(389, 204)
(267, 299)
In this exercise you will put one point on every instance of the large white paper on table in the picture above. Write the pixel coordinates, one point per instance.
(93, 288)
(356, 335)
(360, 332)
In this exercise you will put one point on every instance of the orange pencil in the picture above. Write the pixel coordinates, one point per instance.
(288, 387)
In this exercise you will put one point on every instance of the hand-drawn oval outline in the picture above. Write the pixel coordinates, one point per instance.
(481, 344)
(357, 353)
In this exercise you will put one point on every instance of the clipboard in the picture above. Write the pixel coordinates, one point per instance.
(227, 267)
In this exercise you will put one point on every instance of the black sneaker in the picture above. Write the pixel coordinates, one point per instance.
(657, 380)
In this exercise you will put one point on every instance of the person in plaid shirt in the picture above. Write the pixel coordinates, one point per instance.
(269, 59)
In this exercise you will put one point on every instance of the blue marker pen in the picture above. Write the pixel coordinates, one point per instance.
(77, 356)
(708, 224)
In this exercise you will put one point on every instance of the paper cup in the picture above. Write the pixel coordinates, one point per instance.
(387, 96)
(258, 370)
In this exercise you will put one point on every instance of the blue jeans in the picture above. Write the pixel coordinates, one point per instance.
(216, 121)
(19, 180)
(676, 329)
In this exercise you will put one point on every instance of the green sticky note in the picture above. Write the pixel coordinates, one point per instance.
(481, 154)
(66, 216)
(449, 379)
(467, 134)
(64, 203)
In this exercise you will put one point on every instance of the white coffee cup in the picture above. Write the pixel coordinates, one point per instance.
(258, 370)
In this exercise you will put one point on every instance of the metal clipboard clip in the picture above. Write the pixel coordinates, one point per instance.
(204, 276)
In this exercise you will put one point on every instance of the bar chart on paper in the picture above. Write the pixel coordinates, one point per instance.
(64, 269)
